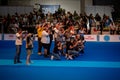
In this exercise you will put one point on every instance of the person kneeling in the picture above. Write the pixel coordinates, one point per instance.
(57, 51)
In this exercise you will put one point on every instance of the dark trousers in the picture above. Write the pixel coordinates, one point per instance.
(49, 46)
(39, 45)
(18, 52)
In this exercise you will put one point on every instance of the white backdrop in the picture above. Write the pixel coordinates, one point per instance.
(99, 9)
(68, 5)
(4, 10)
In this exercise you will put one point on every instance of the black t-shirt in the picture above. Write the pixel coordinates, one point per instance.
(70, 44)
(56, 50)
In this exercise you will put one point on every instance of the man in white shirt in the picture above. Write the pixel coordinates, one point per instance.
(18, 43)
(45, 39)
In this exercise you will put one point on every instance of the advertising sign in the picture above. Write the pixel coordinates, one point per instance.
(110, 38)
(90, 37)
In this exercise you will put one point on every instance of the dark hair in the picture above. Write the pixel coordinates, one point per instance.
(19, 29)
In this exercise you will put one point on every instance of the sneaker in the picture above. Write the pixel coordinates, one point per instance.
(70, 57)
(52, 57)
(19, 61)
(66, 55)
(31, 62)
(15, 62)
(39, 53)
(27, 63)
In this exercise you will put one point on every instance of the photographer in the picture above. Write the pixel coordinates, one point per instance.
(18, 43)
(39, 28)
(45, 40)
(29, 47)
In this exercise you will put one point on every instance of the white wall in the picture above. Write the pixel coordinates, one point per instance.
(99, 9)
(68, 5)
(4, 10)
(89, 8)
(88, 2)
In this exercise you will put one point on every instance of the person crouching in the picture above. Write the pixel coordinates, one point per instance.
(57, 51)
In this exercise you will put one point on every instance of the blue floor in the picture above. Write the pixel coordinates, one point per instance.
(94, 51)
(58, 73)
(101, 61)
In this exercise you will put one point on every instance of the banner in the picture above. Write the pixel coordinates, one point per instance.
(13, 37)
(109, 38)
(49, 8)
(91, 37)
(9, 37)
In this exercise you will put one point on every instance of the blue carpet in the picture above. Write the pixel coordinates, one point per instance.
(101, 61)
(58, 73)
(94, 51)
(48, 63)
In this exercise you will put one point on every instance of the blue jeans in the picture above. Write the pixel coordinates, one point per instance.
(56, 56)
(18, 52)
(73, 52)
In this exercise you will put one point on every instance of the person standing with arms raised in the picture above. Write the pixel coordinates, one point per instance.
(18, 43)
(39, 34)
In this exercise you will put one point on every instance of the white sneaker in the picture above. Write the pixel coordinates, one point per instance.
(39, 53)
(70, 57)
(27, 63)
(66, 55)
(31, 62)
(52, 57)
